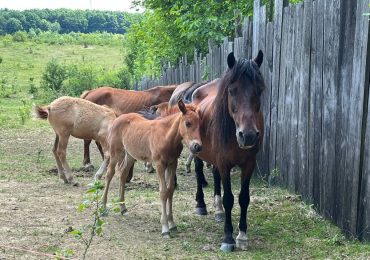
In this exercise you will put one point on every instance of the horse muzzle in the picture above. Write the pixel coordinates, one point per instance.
(247, 139)
(195, 147)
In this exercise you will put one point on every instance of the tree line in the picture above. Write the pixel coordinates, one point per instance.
(65, 21)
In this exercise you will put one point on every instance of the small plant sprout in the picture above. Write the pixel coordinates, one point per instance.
(92, 201)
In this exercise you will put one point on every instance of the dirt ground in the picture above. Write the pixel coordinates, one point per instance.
(36, 209)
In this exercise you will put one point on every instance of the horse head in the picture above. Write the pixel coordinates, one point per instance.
(239, 102)
(190, 126)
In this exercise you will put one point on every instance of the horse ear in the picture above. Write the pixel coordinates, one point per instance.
(182, 106)
(259, 58)
(231, 60)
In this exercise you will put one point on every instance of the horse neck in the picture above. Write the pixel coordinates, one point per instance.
(172, 123)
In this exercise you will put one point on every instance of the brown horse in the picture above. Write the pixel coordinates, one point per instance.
(232, 132)
(125, 101)
(79, 118)
(133, 137)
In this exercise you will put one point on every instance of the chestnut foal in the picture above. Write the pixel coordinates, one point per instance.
(133, 137)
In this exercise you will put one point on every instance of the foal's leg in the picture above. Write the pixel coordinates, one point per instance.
(103, 166)
(170, 180)
(149, 167)
(59, 164)
(100, 149)
(116, 158)
(188, 163)
(200, 208)
(62, 154)
(244, 199)
(228, 244)
(163, 191)
(124, 169)
(86, 162)
(130, 174)
(219, 211)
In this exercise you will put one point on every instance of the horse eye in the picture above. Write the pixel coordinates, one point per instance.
(232, 91)
(187, 124)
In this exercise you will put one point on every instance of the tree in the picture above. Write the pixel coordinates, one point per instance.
(13, 25)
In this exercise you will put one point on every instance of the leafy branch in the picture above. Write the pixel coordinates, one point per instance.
(93, 202)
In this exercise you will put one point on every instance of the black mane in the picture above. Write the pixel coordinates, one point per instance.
(222, 122)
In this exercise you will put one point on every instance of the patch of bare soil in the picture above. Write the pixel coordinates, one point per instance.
(36, 208)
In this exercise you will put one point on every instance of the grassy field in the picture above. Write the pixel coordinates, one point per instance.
(36, 208)
(21, 61)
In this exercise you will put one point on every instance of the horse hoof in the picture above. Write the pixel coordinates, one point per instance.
(174, 228)
(201, 211)
(241, 244)
(88, 168)
(166, 235)
(123, 210)
(219, 217)
(225, 247)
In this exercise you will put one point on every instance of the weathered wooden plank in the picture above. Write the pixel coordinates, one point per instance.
(287, 134)
(256, 23)
(330, 83)
(304, 114)
(297, 50)
(360, 82)
(278, 22)
(281, 98)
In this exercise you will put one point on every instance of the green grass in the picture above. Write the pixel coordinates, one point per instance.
(24, 60)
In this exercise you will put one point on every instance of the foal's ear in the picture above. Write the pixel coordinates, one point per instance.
(182, 106)
(259, 58)
(231, 60)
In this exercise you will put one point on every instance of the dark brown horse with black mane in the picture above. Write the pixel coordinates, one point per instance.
(125, 101)
(231, 132)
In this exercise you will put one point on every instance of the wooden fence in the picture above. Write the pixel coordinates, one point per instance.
(316, 69)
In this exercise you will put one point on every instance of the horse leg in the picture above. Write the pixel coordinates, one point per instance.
(170, 180)
(86, 162)
(188, 163)
(59, 164)
(219, 211)
(103, 166)
(149, 167)
(110, 173)
(244, 199)
(130, 174)
(228, 244)
(124, 168)
(201, 208)
(163, 191)
(100, 149)
(62, 154)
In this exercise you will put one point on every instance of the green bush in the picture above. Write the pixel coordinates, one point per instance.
(54, 76)
(20, 36)
(81, 77)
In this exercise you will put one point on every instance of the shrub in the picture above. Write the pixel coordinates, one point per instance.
(20, 36)
(54, 76)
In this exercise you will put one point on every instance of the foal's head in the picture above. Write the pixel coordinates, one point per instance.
(240, 103)
(190, 127)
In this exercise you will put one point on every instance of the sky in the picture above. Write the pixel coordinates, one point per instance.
(111, 5)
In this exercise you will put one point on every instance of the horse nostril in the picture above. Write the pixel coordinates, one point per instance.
(257, 134)
(197, 147)
(240, 134)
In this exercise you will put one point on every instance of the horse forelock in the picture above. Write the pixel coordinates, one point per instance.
(221, 121)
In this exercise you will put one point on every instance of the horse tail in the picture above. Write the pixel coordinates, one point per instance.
(41, 112)
(84, 94)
